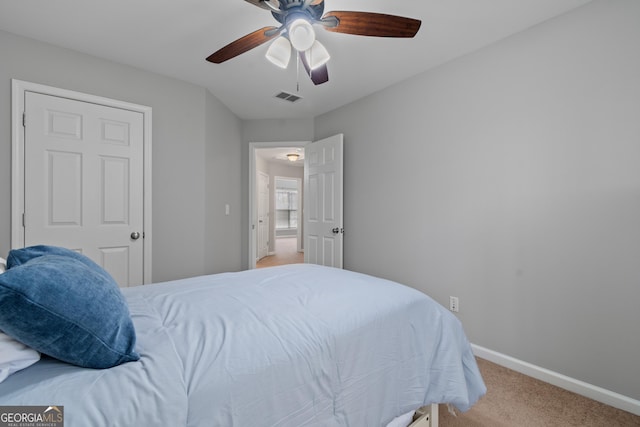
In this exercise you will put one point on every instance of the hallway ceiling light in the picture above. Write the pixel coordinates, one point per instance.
(293, 157)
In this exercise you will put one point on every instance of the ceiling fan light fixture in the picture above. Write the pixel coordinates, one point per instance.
(293, 157)
(317, 55)
(301, 35)
(297, 19)
(279, 52)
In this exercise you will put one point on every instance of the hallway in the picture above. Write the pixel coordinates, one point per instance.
(286, 253)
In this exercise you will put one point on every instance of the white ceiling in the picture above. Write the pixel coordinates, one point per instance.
(173, 38)
(279, 155)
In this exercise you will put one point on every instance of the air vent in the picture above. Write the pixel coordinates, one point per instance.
(285, 96)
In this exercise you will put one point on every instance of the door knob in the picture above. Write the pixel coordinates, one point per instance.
(135, 235)
(336, 230)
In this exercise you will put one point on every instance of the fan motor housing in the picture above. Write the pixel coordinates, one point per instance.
(295, 9)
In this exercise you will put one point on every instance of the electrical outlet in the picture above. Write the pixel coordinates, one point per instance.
(454, 304)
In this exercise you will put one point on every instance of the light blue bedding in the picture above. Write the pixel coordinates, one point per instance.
(298, 345)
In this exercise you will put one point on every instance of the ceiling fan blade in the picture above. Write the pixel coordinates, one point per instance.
(318, 75)
(260, 3)
(242, 45)
(373, 24)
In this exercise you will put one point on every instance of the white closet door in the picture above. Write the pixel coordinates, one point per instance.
(84, 181)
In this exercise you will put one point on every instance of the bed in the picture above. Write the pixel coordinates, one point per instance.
(296, 345)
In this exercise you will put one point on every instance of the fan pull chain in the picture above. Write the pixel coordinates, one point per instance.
(310, 61)
(298, 72)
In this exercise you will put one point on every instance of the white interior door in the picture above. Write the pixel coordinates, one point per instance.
(323, 202)
(263, 215)
(84, 181)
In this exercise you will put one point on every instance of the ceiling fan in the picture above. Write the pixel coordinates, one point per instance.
(297, 18)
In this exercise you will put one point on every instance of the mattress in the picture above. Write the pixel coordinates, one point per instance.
(297, 345)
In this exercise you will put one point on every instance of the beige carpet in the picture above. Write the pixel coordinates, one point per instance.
(516, 400)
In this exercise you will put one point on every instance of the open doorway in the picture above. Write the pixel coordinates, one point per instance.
(287, 212)
(283, 164)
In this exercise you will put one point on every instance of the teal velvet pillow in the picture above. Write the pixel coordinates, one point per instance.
(62, 304)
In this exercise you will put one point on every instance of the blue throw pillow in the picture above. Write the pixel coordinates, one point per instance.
(20, 256)
(66, 306)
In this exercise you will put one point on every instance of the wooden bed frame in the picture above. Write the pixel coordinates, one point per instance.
(426, 416)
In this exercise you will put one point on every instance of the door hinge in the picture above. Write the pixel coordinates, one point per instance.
(24, 120)
(24, 224)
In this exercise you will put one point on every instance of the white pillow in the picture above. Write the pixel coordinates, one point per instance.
(14, 356)
(3, 265)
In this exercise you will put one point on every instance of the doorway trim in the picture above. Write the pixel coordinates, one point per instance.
(18, 90)
(253, 146)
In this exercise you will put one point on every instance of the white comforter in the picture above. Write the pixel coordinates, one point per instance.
(298, 345)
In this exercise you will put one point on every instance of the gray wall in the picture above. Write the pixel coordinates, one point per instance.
(511, 179)
(187, 173)
(222, 169)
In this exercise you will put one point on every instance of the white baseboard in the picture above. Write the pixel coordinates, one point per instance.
(591, 391)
